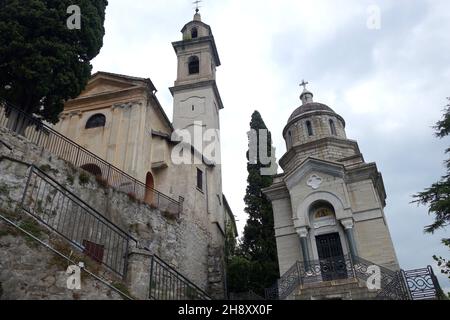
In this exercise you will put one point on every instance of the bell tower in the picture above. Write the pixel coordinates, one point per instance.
(196, 96)
(196, 108)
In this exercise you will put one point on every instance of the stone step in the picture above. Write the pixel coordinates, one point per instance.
(348, 289)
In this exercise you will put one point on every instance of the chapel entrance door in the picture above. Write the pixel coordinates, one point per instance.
(331, 257)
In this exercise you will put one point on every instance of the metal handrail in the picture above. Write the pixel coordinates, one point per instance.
(310, 272)
(42, 135)
(166, 283)
(63, 256)
(47, 201)
(66, 214)
(340, 267)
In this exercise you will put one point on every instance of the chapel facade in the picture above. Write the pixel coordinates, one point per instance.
(328, 204)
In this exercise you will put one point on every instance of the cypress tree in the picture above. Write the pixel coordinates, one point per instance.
(43, 63)
(258, 243)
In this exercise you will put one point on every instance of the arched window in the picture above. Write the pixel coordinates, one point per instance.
(194, 65)
(194, 33)
(96, 121)
(333, 128)
(322, 210)
(150, 188)
(289, 139)
(309, 128)
(92, 169)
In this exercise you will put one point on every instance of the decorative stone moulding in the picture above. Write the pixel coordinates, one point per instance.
(314, 182)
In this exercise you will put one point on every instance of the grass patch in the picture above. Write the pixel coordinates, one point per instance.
(11, 215)
(74, 254)
(6, 230)
(32, 226)
(135, 228)
(4, 190)
(70, 179)
(46, 168)
(84, 178)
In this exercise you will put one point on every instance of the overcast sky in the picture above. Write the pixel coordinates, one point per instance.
(389, 84)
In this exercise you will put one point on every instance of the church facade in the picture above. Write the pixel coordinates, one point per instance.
(328, 204)
(120, 119)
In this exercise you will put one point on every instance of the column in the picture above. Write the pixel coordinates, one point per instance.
(349, 233)
(138, 273)
(114, 133)
(303, 233)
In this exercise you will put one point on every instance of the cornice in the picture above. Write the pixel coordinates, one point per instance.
(197, 85)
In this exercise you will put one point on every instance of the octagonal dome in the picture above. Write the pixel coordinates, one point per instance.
(309, 107)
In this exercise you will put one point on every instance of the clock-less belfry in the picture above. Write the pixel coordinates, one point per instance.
(328, 205)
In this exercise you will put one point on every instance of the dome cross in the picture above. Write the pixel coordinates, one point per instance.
(197, 5)
(304, 84)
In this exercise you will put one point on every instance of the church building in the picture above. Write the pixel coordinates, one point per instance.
(328, 204)
(120, 119)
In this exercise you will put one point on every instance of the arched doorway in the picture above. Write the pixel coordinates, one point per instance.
(150, 187)
(327, 237)
(92, 169)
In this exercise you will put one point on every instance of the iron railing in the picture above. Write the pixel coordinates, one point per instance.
(74, 220)
(32, 128)
(98, 237)
(392, 286)
(168, 284)
(361, 267)
(395, 289)
(62, 255)
(311, 272)
(420, 284)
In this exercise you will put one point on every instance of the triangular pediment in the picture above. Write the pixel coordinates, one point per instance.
(312, 165)
(105, 84)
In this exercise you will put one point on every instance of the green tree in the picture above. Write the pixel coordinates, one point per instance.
(256, 265)
(437, 197)
(42, 62)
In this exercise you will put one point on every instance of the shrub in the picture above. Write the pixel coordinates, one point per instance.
(70, 179)
(84, 178)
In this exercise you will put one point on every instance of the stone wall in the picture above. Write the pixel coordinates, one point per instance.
(29, 271)
(182, 243)
(321, 128)
(329, 149)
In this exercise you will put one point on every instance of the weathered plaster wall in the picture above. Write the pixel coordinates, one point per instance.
(183, 243)
(29, 271)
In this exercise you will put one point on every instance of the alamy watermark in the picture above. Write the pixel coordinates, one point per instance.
(73, 22)
(374, 280)
(374, 17)
(74, 276)
(197, 145)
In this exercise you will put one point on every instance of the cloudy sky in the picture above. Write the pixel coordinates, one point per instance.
(390, 84)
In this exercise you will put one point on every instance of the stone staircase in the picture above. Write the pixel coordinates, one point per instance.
(347, 289)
